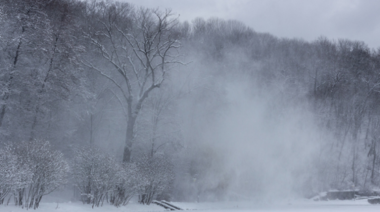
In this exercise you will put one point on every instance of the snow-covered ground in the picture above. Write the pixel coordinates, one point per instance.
(79, 207)
(297, 206)
(289, 206)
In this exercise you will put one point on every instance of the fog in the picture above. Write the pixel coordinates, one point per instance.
(258, 145)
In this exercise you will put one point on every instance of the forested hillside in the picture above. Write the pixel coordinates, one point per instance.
(142, 104)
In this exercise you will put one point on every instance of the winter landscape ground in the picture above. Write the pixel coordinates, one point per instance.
(288, 206)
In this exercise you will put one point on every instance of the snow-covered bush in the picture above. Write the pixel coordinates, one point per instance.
(157, 175)
(130, 182)
(30, 170)
(13, 175)
(48, 171)
(99, 177)
(94, 175)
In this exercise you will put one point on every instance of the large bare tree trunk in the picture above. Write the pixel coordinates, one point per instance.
(129, 139)
(139, 53)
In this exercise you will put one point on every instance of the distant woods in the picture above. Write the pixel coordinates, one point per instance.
(143, 86)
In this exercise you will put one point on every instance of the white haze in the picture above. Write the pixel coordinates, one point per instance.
(259, 146)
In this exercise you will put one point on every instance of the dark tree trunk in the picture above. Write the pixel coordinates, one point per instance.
(6, 95)
(129, 139)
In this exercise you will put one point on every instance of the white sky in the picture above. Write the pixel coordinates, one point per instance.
(305, 19)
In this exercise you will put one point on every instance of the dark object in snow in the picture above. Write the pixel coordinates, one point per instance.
(171, 205)
(374, 200)
(336, 195)
(341, 195)
(345, 195)
(166, 205)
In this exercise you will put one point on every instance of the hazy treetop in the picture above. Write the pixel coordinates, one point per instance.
(335, 19)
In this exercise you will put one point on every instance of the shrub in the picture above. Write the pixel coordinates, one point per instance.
(99, 177)
(129, 183)
(93, 174)
(158, 176)
(30, 170)
(12, 174)
(49, 171)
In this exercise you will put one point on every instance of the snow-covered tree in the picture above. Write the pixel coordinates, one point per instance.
(27, 23)
(61, 78)
(39, 70)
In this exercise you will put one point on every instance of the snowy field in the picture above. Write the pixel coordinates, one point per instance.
(346, 206)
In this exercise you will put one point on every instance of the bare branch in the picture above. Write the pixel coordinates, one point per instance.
(120, 102)
(105, 75)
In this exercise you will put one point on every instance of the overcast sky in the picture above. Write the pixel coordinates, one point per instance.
(306, 19)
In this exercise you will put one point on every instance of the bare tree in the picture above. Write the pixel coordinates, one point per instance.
(139, 46)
